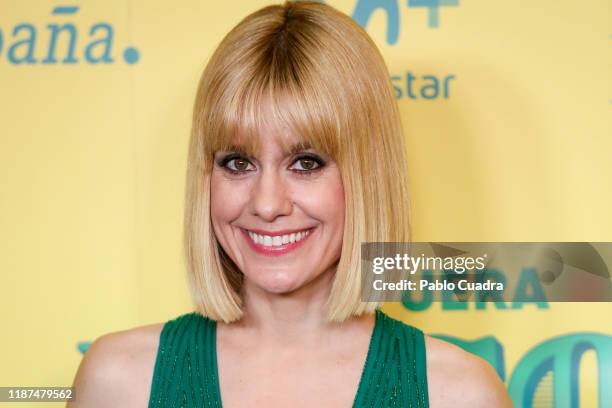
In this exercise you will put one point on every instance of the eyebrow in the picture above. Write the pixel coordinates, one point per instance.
(237, 149)
(298, 147)
(293, 149)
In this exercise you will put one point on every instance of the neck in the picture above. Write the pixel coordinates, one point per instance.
(287, 318)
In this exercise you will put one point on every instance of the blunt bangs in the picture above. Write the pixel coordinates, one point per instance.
(275, 93)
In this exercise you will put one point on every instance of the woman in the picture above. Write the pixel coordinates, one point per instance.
(296, 157)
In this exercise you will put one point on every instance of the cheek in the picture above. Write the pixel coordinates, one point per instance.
(227, 200)
(325, 201)
(337, 203)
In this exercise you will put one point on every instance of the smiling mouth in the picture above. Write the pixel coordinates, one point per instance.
(278, 240)
(276, 244)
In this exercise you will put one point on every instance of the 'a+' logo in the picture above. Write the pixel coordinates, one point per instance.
(365, 8)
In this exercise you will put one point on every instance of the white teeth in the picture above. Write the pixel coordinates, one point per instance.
(277, 240)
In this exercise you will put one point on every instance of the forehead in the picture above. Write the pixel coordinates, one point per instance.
(269, 136)
(263, 126)
(249, 122)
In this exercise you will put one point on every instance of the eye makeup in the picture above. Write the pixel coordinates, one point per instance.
(230, 162)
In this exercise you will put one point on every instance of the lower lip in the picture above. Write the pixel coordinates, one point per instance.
(275, 250)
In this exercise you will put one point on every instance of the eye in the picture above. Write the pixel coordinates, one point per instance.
(307, 163)
(235, 163)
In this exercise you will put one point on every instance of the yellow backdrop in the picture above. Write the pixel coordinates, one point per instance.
(506, 108)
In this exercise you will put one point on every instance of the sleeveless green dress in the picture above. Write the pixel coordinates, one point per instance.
(185, 373)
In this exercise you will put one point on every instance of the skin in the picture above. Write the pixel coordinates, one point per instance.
(283, 352)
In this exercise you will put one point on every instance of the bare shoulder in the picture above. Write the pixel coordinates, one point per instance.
(117, 369)
(457, 378)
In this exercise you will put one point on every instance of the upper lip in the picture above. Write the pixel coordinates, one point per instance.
(276, 233)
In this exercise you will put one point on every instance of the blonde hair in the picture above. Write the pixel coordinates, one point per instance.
(326, 80)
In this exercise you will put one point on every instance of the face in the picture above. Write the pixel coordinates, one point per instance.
(279, 216)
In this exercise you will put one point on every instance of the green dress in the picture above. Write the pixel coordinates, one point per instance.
(185, 373)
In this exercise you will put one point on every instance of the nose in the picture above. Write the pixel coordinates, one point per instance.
(270, 197)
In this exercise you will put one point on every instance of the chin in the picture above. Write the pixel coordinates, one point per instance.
(277, 284)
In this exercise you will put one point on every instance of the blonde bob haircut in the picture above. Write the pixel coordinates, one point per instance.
(319, 74)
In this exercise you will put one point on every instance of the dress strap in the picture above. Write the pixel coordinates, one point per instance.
(395, 373)
(421, 365)
(185, 372)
